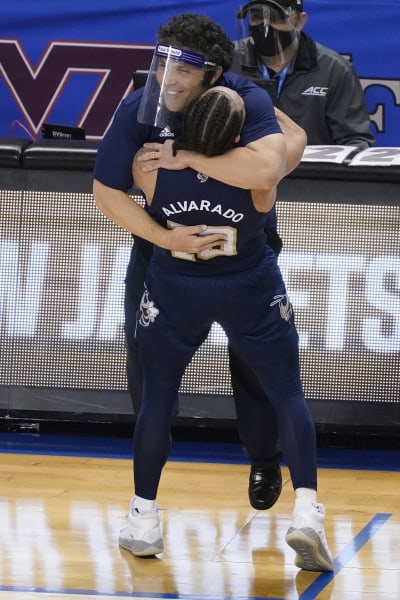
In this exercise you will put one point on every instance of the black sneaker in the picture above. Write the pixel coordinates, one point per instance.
(265, 486)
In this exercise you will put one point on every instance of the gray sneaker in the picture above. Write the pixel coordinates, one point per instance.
(306, 536)
(142, 534)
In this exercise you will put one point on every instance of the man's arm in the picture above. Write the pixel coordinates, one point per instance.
(125, 212)
(259, 165)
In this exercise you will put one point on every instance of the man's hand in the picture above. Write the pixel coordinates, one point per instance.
(192, 239)
(155, 156)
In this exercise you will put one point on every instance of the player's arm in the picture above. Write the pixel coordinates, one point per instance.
(264, 200)
(295, 138)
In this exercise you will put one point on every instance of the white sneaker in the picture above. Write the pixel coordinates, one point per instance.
(142, 534)
(306, 536)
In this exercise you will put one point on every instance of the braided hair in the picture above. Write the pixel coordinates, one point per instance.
(211, 124)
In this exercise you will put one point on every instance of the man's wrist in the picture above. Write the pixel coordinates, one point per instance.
(185, 157)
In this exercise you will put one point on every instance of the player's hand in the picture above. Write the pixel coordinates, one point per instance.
(158, 156)
(192, 239)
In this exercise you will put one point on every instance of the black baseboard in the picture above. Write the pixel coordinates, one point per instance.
(207, 430)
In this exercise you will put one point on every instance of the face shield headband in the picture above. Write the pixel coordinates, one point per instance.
(185, 56)
(174, 76)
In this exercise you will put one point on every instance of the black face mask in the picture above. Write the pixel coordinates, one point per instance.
(273, 43)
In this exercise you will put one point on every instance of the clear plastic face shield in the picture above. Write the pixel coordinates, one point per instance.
(269, 28)
(176, 78)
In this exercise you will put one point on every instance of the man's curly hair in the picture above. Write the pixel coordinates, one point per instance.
(210, 125)
(200, 34)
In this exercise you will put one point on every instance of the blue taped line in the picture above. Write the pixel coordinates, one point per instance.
(310, 593)
(346, 555)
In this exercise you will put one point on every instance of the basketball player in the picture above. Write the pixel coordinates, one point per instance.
(236, 283)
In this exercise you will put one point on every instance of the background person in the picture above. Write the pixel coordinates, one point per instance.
(315, 85)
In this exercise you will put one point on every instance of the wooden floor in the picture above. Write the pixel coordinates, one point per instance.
(60, 517)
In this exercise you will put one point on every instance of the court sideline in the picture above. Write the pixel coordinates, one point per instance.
(63, 500)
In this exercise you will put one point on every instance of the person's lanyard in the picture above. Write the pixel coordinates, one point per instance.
(281, 77)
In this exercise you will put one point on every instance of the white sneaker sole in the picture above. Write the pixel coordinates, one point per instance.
(140, 548)
(311, 554)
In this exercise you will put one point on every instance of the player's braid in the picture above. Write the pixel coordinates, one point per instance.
(210, 125)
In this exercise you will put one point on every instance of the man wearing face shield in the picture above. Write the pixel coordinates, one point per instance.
(177, 76)
(193, 54)
(317, 87)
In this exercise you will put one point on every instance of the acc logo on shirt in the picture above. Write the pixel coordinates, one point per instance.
(315, 90)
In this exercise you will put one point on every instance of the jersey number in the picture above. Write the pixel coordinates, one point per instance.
(226, 248)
